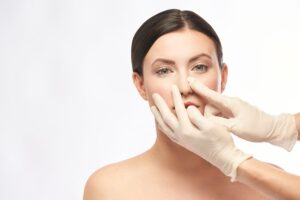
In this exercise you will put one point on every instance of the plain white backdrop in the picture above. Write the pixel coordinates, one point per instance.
(67, 102)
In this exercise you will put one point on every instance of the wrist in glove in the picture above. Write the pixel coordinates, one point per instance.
(285, 131)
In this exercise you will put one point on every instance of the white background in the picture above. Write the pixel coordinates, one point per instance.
(67, 102)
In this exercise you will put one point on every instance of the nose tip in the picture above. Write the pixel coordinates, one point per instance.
(184, 87)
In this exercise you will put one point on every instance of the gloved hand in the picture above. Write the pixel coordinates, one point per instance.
(247, 121)
(203, 137)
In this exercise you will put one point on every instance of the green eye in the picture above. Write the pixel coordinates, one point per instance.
(163, 71)
(200, 68)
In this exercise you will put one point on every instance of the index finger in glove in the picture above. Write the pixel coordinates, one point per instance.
(219, 101)
(162, 125)
(198, 119)
(179, 106)
(166, 114)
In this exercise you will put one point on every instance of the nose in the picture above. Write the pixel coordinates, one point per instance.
(184, 86)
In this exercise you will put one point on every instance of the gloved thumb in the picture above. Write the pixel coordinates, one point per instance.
(210, 110)
(214, 98)
(228, 123)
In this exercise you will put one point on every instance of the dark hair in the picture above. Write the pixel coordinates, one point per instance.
(166, 22)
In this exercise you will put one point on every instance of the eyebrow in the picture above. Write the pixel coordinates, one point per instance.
(167, 61)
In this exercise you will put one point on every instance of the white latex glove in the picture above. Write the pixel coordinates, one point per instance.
(199, 135)
(247, 121)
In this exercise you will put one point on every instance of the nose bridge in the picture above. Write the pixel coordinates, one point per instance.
(183, 84)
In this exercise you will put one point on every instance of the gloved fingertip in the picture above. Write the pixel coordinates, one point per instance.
(157, 98)
(191, 108)
(153, 109)
(190, 79)
(154, 95)
(174, 88)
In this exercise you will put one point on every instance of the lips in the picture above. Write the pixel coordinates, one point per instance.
(188, 103)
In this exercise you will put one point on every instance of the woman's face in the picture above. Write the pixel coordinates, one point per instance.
(174, 57)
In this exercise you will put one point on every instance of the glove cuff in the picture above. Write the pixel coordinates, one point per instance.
(231, 160)
(286, 131)
(240, 157)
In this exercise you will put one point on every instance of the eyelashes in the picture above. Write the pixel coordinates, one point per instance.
(200, 68)
(163, 71)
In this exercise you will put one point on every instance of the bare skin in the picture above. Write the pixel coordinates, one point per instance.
(274, 182)
(166, 171)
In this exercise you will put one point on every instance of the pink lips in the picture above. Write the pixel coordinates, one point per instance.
(188, 103)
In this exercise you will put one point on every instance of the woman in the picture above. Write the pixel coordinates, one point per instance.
(166, 49)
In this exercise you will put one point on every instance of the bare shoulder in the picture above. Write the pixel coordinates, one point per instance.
(97, 183)
(108, 180)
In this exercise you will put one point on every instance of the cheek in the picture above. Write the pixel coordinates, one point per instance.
(163, 88)
(212, 81)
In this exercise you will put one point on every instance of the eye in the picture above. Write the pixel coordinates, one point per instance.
(163, 71)
(200, 68)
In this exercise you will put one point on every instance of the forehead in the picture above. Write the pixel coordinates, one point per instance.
(181, 45)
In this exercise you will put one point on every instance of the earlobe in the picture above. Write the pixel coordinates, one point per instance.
(139, 84)
(224, 75)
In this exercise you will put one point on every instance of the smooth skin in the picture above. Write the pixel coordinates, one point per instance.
(269, 180)
(167, 170)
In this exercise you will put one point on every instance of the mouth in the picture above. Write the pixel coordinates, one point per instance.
(188, 103)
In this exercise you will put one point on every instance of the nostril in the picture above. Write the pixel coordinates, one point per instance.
(186, 91)
(183, 85)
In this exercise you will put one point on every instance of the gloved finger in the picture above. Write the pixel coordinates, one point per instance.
(197, 118)
(228, 123)
(162, 125)
(179, 106)
(166, 114)
(219, 101)
(211, 111)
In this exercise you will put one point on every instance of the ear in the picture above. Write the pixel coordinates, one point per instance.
(224, 75)
(139, 84)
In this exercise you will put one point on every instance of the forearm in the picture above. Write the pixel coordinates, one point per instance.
(297, 118)
(271, 181)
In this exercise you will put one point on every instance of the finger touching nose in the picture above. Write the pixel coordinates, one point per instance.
(183, 86)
